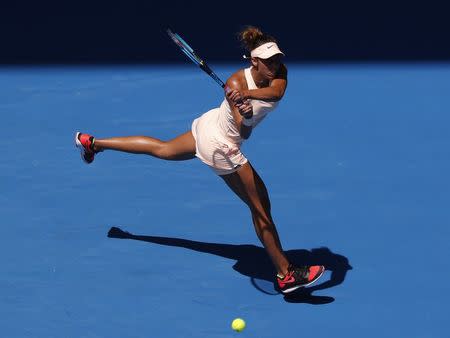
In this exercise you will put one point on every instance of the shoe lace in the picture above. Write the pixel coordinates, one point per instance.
(300, 271)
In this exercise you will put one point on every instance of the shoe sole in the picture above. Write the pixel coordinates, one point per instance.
(302, 286)
(80, 146)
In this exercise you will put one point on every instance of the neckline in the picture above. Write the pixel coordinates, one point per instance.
(250, 77)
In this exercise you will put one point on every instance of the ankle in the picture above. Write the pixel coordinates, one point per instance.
(283, 271)
(95, 146)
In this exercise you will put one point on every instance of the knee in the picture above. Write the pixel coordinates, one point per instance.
(164, 152)
(261, 218)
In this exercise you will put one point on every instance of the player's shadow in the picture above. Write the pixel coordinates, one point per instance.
(253, 261)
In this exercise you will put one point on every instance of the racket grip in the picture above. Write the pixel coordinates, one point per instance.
(226, 88)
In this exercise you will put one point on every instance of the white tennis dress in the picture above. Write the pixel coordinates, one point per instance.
(217, 138)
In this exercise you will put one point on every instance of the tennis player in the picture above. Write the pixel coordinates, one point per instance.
(216, 137)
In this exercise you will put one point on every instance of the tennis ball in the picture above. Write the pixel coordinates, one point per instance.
(238, 324)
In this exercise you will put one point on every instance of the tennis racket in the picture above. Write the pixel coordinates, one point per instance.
(186, 49)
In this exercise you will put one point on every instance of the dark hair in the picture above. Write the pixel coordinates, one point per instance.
(252, 37)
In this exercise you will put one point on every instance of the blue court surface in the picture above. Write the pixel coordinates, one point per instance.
(356, 161)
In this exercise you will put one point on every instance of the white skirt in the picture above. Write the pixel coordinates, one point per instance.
(212, 148)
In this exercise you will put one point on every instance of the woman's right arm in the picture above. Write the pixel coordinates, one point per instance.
(274, 92)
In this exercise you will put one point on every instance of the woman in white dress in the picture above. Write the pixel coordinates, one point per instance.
(216, 137)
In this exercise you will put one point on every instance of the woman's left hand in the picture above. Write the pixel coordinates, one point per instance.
(235, 95)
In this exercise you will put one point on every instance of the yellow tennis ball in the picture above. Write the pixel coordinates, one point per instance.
(238, 324)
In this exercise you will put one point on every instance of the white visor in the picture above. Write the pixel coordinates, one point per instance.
(266, 51)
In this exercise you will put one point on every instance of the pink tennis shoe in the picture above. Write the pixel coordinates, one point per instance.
(85, 143)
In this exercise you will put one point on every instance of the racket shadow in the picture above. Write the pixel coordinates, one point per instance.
(252, 261)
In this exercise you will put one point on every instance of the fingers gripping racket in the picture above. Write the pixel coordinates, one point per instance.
(186, 49)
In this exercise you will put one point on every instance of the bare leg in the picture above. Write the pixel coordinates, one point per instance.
(177, 149)
(247, 184)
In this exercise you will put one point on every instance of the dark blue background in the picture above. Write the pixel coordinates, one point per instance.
(134, 31)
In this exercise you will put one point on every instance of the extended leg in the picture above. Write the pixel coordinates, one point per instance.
(179, 148)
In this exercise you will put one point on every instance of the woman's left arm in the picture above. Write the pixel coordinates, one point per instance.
(274, 92)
